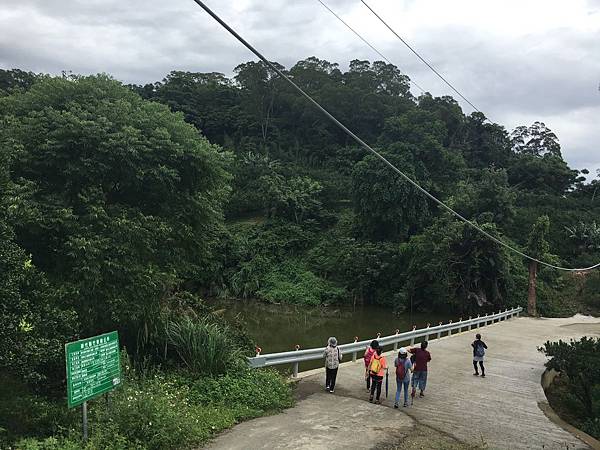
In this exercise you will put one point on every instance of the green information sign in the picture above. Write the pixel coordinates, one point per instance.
(93, 367)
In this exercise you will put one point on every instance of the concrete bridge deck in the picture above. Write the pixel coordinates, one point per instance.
(501, 411)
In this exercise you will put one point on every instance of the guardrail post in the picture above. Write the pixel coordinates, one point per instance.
(518, 312)
(295, 366)
(478, 322)
(469, 328)
(450, 330)
(412, 339)
(396, 343)
(354, 353)
(427, 335)
(439, 335)
(460, 325)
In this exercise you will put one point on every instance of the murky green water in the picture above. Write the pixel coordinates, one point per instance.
(278, 328)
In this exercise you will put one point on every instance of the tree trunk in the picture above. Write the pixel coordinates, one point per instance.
(531, 297)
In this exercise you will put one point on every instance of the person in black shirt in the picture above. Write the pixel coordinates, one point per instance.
(479, 348)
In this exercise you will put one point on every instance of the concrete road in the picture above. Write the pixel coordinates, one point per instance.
(501, 411)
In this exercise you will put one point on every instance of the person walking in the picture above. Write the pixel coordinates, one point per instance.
(419, 378)
(333, 357)
(367, 359)
(377, 368)
(479, 348)
(403, 366)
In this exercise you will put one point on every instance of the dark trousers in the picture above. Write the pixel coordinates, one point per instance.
(330, 376)
(368, 381)
(480, 365)
(376, 386)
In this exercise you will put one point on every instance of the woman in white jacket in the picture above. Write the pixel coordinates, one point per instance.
(333, 356)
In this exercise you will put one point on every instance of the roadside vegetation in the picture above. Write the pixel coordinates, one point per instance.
(122, 207)
(575, 392)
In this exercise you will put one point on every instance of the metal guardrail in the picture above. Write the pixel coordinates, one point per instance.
(298, 356)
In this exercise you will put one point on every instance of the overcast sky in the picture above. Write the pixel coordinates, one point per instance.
(517, 60)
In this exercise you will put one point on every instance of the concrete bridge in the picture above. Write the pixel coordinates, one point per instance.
(505, 410)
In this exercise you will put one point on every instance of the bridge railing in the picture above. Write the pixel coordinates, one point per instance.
(296, 357)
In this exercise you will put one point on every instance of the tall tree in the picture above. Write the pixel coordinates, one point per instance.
(15, 79)
(537, 140)
(485, 144)
(387, 206)
(258, 83)
(120, 199)
(537, 247)
(209, 101)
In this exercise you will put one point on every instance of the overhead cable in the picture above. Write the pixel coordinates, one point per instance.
(421, 58)
(365, 41)
(375, 152)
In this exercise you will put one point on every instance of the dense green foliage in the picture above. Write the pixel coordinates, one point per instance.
(155, 412)
(111, 212)
(578, 391)
(116, 199)
(122, 206)
(296, 173)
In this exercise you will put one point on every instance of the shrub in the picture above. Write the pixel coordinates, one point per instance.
(50, 443)
(592, 427)
(203, 345)
(154, 414)
(292, 283)
(25, 414)
(579, 364)
(34, 323)
(249, 392)
(159, 413)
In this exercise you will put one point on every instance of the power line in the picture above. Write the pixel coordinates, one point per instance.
(375, 152)
(365, 41)
(421, 58)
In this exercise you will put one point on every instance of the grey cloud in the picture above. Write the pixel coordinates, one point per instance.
(552, 76)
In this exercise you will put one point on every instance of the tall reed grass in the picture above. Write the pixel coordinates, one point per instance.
(203, 345)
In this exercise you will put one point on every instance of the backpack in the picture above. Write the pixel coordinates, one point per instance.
(375, 366)
(479, 350)
(368, 355)
(401, 369)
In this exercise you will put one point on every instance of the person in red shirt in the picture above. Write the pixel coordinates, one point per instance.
(419, 378)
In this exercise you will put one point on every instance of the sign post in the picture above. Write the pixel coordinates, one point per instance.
(85, 427)
(93, 368)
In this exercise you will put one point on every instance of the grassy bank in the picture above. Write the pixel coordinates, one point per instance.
(161, 410)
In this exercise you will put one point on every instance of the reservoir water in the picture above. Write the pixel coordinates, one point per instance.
(278, 328)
